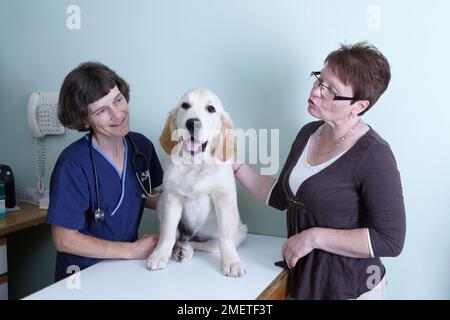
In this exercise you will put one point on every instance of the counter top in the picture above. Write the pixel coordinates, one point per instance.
(28, 216)
(199, 278)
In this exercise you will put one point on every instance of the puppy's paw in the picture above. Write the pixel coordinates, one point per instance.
(233, 269)
(183, 252)
(157, 260)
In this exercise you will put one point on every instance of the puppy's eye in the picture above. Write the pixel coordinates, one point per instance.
(210, 109)
(185, 105)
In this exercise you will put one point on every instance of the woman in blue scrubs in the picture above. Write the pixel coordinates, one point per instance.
(96, 199)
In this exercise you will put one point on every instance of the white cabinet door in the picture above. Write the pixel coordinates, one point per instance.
(3, 257)
(4, 291)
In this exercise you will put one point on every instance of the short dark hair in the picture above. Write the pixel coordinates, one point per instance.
(363, 67)
(85, 84)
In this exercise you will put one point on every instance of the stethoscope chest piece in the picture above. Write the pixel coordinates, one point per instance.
(99, 215)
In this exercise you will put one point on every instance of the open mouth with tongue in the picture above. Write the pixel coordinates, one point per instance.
(194, 146)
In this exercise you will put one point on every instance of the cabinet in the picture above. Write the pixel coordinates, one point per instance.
(28, 216)
(3, 270)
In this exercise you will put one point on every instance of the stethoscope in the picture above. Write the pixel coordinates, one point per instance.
(99, 213)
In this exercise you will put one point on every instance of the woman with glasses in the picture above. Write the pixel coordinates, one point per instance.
(340, 185)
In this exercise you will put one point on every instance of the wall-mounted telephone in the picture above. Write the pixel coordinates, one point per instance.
(43, 114)
(42, 121)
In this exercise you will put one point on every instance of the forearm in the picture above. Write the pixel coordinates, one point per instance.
(258, 185)
(349, 243)
(74, 242)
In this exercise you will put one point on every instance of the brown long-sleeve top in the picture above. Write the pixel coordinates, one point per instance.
(361, 189)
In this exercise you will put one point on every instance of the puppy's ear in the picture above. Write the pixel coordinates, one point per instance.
(226, 148)
(166, 136)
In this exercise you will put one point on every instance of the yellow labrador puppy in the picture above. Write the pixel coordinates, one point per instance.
(199, 205)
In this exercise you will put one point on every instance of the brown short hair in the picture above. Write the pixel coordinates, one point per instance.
(364, 68)
(87, 83)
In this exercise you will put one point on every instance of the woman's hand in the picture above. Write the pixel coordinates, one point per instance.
(298, 246)
(236, 165)
(143, 247)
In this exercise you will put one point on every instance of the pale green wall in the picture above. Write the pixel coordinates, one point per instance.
(256, 55)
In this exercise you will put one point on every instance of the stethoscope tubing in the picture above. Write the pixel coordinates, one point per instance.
(99, 213)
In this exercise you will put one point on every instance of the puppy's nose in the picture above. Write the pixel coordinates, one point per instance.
(193, 124)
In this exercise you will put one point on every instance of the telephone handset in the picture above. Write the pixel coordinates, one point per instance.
(42, 121)
(43, 114)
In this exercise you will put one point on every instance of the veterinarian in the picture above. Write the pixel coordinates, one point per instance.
(101, 182)
(340, 185)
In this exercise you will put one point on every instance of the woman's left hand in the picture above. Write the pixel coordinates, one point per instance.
(297, 246)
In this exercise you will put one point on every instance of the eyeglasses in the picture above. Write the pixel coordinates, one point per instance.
(326, 92)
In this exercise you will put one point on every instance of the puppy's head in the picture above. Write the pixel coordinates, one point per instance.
(199, 124)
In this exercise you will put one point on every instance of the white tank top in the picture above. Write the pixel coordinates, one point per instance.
(303, 170)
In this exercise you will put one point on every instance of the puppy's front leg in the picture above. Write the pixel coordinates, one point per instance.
(170, 216)
(227, 213)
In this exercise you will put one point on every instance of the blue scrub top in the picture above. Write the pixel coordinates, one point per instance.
(73, 198)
